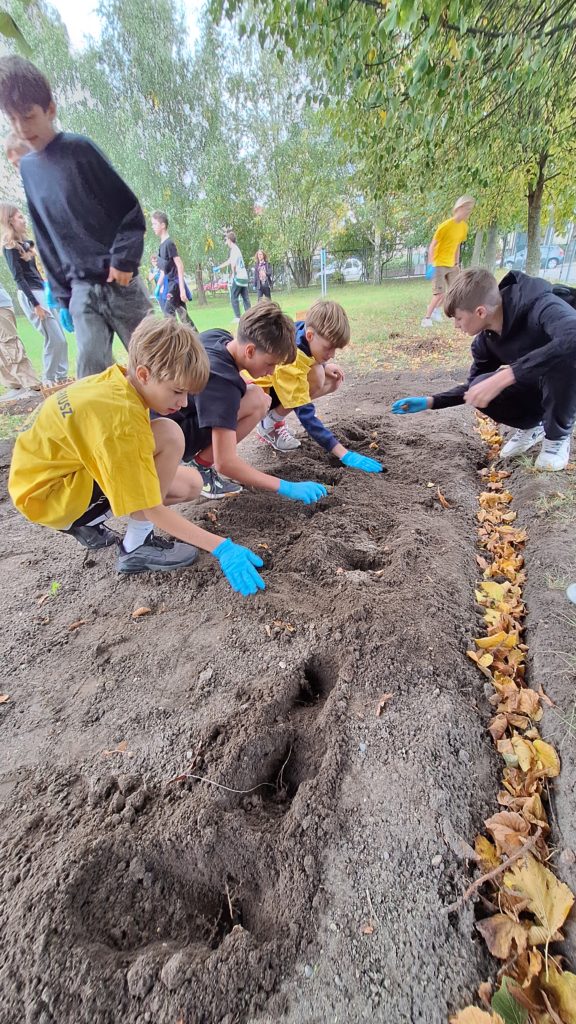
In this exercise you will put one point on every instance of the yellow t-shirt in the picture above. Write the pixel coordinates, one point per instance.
(290, 381)
(449, 235)
(95, 430)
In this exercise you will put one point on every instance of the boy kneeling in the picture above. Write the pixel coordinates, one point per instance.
(523, 372)
(294, 386)
(91, 452)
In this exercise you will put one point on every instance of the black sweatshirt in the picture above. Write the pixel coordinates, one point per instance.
(85, 217)
(24, 272)
(538, 333)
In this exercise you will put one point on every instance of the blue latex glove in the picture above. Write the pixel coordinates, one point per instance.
(215, 270)
(66, 320)
(308, 492)
(356, 461)
(237, 564)
(430, 271)
(50, 301)
(404, 405)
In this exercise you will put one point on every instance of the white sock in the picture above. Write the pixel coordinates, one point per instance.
(271, 418)
(138, 530)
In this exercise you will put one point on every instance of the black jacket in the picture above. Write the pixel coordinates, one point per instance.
(538, 333)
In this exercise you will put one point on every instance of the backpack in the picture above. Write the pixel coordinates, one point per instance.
(563, 291)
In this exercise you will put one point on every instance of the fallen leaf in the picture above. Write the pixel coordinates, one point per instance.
(140, 612)
(509, 830)
(367, 929)
(561, 985)
(503, 936)
(483, 661)
(487, 853)
(442, 499)
(472, 1015)
(121, 748)
(4, 697)
(548, 899)
(382, 703)
(548, 759)
(504, 1003)
(76, 625)
(485, 992)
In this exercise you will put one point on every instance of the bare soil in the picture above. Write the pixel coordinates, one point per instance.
(310, 884)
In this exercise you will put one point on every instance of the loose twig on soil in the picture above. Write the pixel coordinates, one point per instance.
(202, 778)
(529, 845)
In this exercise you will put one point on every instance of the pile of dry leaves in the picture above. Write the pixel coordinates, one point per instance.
(525, 904)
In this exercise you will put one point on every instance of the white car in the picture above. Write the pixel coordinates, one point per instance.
(352, 269)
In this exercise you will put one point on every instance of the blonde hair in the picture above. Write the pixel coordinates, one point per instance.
(329, 320)
(14, 144)
(9, 238)
(463, 201)
(472, 288)
(171, 351)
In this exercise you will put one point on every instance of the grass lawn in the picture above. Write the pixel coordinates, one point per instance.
(386, 332)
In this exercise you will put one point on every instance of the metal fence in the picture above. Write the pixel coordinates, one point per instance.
(353, 266)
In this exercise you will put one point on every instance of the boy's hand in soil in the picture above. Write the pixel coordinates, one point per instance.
(356, 461)
(308, 491)
(411, 404)
(237, 564)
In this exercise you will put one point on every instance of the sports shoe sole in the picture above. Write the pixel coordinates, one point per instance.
(155, 568)
(218, 497)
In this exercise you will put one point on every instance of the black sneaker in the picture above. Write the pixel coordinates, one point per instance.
(214, 485)
(93, 537)
(156, 554)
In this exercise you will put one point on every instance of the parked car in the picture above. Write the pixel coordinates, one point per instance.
(331, 268)
(550, 256)
(216, 286)
(352, 269)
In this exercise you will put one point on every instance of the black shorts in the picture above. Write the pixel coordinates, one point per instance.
(98, 510)
(196, 438)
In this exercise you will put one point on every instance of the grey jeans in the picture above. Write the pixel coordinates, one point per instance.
(99, 311)
(55, 357)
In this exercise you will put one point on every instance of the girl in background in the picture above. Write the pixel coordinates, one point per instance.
(262, 275)
(20, 257)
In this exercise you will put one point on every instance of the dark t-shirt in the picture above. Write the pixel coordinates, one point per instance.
(218, 405)
(166, 254)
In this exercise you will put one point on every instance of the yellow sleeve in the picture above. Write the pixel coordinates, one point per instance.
(290, 382)
(124, 468)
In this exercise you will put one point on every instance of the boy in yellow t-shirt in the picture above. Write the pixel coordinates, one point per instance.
(293, 386)
(91, 451)
(444, 255)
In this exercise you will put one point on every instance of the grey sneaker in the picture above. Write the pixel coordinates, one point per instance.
(93, 537)
(214, 485)
(156, 555)
(278, 436)
(522, 441)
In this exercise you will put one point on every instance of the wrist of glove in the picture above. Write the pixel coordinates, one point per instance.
(66, 320)
(308, 492)
(356, 461)
(411, 404)
(215, 270)
(50, 302)
(238, 565)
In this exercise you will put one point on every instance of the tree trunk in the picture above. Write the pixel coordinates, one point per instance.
(535, 193)
(377, 264)
(200, 285)
(477, 253)
(504, 244)
(491, 247)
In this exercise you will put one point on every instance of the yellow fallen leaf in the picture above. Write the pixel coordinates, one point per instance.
(548, 899)
(482, 660)
(487, 642)
(503, 936)
(547, 758)
(509, 830)
(495, 591)
(486, 853)
(561, 985)
(524, 752)
(472, 1015)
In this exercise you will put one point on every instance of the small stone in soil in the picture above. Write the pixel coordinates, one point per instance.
(309, 971)
(436, 861)
(362, 747)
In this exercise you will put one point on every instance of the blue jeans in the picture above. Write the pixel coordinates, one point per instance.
(237, 292)
(99, 311)
(55, 355)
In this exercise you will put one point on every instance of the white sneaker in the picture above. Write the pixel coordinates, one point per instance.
(427, 322)
(437, 316)
(554, 455)
(278, 436)
(521, 441)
